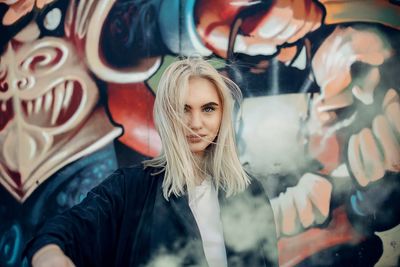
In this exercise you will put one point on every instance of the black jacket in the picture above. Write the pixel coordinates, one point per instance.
(125, 221)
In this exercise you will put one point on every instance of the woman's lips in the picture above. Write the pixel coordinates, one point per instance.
(195, 138)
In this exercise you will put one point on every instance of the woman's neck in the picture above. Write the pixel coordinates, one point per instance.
(200, 168)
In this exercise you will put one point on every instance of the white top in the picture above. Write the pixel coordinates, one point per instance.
(204, 205)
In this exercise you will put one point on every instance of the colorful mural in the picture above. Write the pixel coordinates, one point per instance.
(319, 124)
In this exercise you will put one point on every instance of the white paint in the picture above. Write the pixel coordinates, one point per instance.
(52, 19)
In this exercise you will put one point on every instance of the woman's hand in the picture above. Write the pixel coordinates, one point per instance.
(51, 256)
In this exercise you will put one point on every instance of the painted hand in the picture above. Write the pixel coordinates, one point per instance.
(285, 22)
(373, 151)
(332, 65)
(302, 206)
(259, 28)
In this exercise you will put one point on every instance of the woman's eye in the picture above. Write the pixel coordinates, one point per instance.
(208, 109)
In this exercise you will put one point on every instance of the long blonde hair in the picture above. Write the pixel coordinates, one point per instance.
(221, 161)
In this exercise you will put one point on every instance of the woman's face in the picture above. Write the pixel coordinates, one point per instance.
(203, 114)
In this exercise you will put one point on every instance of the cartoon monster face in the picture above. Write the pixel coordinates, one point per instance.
(45, 95)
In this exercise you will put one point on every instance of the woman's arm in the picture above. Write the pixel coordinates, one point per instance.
(87, 233)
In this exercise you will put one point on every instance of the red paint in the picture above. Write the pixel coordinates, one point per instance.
(131, 105)
(293, 250)
(16, 177)
(15, 44)
(3, 81)
(214, 17)
(6, 115)
(252, 22)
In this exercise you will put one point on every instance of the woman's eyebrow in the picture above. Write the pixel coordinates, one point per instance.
(209, 104)
(205, 105)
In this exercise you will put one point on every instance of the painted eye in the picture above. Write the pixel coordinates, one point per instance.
(52, 19)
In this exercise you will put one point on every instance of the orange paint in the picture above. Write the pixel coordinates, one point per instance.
(287, 54)
(329, 155)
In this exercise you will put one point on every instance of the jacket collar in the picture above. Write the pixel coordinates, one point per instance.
(180, 206)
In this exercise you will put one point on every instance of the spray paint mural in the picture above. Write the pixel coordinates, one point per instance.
(319, 124)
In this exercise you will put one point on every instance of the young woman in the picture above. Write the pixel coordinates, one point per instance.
(193, 205)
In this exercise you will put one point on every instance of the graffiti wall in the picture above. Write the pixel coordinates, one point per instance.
(319, 124)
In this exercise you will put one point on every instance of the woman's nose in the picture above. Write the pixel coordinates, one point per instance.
(195, 121)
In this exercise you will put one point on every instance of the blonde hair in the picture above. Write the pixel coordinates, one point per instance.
(221, 161)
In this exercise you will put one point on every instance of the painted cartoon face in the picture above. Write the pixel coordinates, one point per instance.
(41, 108)
(203, 114)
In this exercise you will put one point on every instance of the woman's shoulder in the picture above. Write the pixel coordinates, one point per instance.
(139, 170)
(138, 174)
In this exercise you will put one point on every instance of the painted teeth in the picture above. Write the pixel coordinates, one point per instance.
(4, 106)
(58, 101)
(47, 101)
(52, 102)
(69, 87)
(38, 104)
(29, 107)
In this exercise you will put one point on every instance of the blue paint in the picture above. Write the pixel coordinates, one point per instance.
(62, 199)
(355, 206)
(10, 245)
(75, 174)
(25, 262)
(360, 196)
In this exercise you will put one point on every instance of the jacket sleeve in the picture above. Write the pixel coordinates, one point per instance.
(87, 233)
